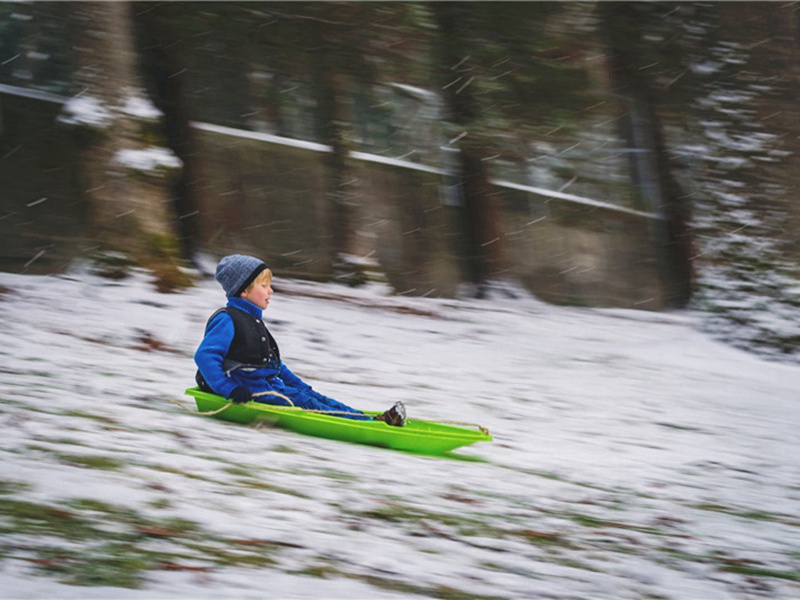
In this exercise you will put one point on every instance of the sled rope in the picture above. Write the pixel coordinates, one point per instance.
(481, 428)
(210, 413)
(270, 393)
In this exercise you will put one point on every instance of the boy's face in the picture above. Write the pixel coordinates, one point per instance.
(259, 293)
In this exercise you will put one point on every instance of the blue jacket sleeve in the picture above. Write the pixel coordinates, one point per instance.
(291, 379)
(211, 352)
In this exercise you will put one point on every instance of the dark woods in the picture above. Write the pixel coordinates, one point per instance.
(685, 113)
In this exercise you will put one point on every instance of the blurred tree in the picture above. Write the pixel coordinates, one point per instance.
(335, 46)
(498, 74)
(123, 169)
(740, 115)
(331, 27)
(706, 96)
(293, 73)
(164, 31)
(484, 256)
(625, 26)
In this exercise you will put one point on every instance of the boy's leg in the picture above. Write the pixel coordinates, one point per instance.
(312, 400)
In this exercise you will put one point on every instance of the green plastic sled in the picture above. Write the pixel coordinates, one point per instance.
(420, 437)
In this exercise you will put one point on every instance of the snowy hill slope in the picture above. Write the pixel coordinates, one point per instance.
(633, 457)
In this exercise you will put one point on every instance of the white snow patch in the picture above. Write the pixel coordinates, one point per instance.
(86, 110)
(633, 456)
(148, 159)
(141, 107)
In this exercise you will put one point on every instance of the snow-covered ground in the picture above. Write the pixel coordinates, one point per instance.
(633, 456)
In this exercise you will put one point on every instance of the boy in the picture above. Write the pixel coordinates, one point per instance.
(238, 357)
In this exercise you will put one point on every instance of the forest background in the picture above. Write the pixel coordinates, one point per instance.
(682, 116)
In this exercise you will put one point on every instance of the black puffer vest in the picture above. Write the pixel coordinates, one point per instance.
(252, 346)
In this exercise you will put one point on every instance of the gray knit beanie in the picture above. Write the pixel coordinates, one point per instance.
(237, 271)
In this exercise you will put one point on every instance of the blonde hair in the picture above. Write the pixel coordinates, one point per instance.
(264, 277)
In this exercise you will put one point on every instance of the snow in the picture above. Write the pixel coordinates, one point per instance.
(148, 159)
(140, 107)
(633, 457)
(86, 110)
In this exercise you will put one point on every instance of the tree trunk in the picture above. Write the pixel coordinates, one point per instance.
(640, 127)
(329, 121)
(164, 59)
(125, 179)
(485, 250)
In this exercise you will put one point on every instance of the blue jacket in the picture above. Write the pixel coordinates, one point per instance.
(212, 350)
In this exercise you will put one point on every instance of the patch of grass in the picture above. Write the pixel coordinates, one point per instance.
(174, 471)
(338, 475)
(104, 463)
(238, 471)
(543, 538)
(93, 416)
(91, 505)
(161, 503)
(741, 566)
(116, 564)
(752, 570)
(396, 512)
(42, 519)
(257, 484)
(320, 571)
(459, 526)
(749, 513)
(13, 487)
(598, 523)
(177, 527)
(63, 441)
(72, 543)
(229, 555)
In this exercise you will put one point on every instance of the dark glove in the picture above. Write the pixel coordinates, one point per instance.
(240, 395)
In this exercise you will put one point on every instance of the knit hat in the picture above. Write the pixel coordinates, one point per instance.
(237, 271)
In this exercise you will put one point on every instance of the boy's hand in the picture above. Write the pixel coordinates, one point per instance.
(240, 395)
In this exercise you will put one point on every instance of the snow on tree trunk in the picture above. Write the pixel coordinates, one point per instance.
(125, 171)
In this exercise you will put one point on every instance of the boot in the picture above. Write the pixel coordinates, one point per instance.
(395, 416)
